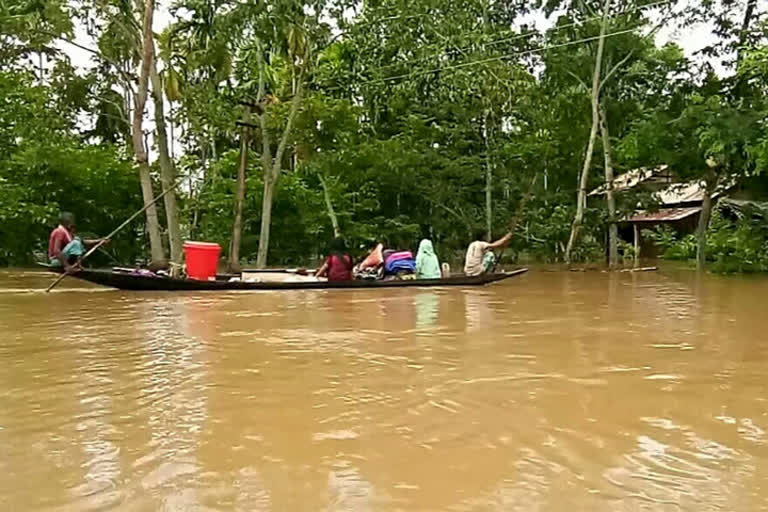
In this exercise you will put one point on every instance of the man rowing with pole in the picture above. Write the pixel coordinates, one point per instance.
(64, 248)
(480, 257)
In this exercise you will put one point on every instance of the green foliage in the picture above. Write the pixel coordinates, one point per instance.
(406, 105)
(739, 245)
(44, 168)
(672, 246)
(733, 245)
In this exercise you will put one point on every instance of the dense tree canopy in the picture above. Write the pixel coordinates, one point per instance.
(292, 121)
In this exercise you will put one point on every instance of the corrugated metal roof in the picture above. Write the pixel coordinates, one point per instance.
(674, 194)
(692, 192)
(664, 215)
(630, 179)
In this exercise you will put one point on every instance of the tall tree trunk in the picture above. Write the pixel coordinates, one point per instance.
(745, 23)
(701, 230)
(173, 139)
(237, 225)
(272, 169)
(749, 14)
(266, 220)
(613, 231)
(488, 182)
(329, 207)
(196, 192)
(139, 149)
(581, 196)
(128, 105)
(214, 154)
(167, 174)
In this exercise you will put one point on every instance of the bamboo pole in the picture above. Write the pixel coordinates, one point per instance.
(516, 219)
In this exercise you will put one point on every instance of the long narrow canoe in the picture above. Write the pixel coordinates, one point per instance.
(128, 281)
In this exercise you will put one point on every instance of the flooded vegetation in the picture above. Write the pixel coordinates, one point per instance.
(596, 391)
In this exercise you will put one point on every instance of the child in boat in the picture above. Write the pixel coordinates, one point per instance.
(338, 264)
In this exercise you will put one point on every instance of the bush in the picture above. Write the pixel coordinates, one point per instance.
(673, 247)
(738, 245)
(733, 245)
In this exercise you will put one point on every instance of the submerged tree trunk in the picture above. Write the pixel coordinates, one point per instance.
(613, 231)
(139, 149)
(701, 230)
(581, 196)
(237, 225)
(329, 207)
(167, 175)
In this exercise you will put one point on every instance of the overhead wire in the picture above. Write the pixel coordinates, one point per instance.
(489, 59)
(531, 33)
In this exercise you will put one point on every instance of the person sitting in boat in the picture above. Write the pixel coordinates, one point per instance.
(64, 248)
(427, 264)
(480, 258)
(338, 264)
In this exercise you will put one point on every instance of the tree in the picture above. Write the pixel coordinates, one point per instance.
(167, 174)
(613, 235)
(299, 54)
(403, 121)
(237, 225)
(722, 134)
(137, 134)
(581, 196)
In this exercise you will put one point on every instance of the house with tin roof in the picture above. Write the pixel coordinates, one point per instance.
(679, 203)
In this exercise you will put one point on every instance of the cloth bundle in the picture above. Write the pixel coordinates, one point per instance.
(400, 262)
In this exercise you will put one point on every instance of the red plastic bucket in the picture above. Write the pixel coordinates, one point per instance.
(202, 259)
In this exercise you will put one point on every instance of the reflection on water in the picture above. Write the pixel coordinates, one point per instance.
(588, 391)
(427, 304)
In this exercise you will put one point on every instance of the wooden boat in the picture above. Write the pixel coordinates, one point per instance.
(132, 281)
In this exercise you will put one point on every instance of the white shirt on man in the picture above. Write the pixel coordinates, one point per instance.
(473, 263)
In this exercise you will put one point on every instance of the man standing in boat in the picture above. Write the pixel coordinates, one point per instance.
(480, 258)
(64, 248)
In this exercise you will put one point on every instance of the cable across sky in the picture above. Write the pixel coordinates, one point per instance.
(496, 58)
(531, 33)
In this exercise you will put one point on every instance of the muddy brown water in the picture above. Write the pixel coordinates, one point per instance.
(552, 391)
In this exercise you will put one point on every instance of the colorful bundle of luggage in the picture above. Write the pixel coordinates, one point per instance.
(401, 262)
(381, 264)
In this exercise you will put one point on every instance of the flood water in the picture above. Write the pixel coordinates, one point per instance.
(551, 391)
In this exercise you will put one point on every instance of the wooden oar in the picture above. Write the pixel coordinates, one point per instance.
(113, 233)
(516, 219)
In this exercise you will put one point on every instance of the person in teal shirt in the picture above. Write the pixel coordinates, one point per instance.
(427, 264)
